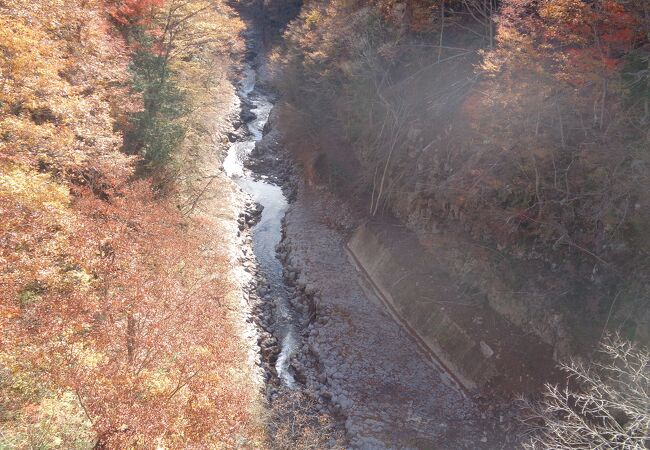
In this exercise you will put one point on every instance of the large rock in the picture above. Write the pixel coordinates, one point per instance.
(247, 116)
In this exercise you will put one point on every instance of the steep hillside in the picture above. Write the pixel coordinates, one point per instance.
(511, 136)
(116, 286)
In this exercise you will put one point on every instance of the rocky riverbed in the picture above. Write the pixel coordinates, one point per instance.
(353, 360)
(328, 348)
(276, 323)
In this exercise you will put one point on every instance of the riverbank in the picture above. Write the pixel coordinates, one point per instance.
(292, 417)
(353, 360)
(375, 375)
(329, 350)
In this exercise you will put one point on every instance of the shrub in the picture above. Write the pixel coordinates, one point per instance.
(608, 408)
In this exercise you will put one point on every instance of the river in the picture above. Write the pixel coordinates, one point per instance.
(350, 356)
(267, 232)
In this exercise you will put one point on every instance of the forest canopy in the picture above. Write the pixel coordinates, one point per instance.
(116, 331)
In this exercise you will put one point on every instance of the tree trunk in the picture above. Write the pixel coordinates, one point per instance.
(442, 28)
(130, 337)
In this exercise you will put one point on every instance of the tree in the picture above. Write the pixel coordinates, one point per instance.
(553, 84)
(172, 43)
(608, 408)
(55, 72)
(112, 304)
(135, 12)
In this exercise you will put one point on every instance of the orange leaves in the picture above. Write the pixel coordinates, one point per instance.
(554, 92)
(125, 303)
(61, 80)
(588, 65)
(566, 20)
(600, 33)
(617, 25)
(149, 271)
(35, 217)
(573, 41)
(107, 297)
(594, 37)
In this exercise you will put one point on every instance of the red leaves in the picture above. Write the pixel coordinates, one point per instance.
(136, 12)
(574, 41)
(129, 314)
(602, 36)
(106, 291)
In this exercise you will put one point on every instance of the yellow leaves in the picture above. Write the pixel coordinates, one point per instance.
(564, 10)
(29, 63)
(197, 32)
(205, 35)
(157, 382)
(36, 224)
(198, 27)
(26, 142)
(23, 47)
(90, 291)
(490, 66)
(56, 422)
(85, 356)
(59, 72)
(32, 189)
(79, 278)
(313, 18)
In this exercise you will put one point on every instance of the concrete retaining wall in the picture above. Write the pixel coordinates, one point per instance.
(477, 345)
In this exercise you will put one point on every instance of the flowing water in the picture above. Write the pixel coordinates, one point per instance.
(373, 372)
(267, 232)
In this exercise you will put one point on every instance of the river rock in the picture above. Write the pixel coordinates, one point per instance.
(310, 289)
(486, 349)
(247, 116)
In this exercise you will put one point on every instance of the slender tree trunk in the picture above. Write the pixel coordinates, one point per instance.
(383, 176)
(130, 337)
(374, 185)
(442, 28)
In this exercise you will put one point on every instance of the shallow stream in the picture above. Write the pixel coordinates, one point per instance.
(267, 232)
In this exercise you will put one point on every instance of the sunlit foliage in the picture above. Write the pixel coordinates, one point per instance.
(178, 42)
(116, 331)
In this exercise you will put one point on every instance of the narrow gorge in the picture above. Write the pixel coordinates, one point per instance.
(329, 309)
(325, 224)
(407, 326)
(323, 331)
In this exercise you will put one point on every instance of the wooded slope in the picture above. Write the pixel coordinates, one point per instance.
(522, 123)
(114, 300)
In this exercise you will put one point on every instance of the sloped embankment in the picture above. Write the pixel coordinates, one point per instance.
(452, 322)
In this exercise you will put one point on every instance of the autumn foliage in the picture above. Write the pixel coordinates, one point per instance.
(135, 12)
(114, 306)
(517, 125)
